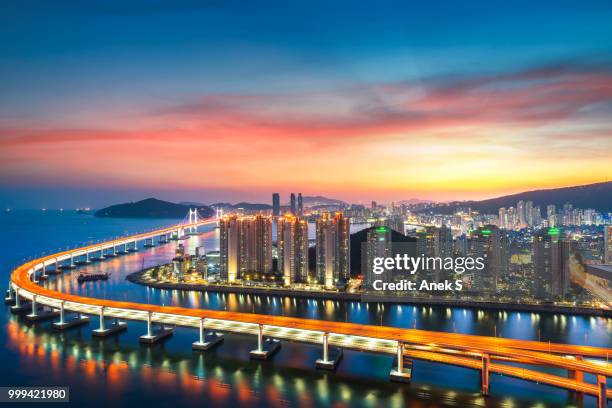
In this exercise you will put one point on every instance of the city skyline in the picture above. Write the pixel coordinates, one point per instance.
(379, 107)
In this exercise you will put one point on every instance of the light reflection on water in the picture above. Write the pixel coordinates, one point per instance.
(121, 371)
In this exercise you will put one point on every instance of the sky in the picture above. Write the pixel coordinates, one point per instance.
(111, 101)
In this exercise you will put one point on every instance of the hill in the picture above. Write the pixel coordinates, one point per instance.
(243, 205)
(151, 208)
(597, 196)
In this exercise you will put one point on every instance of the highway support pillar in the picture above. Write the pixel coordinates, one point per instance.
(331, 359)
(64, 324)
(602, 390)
(403, 369)
(206, 341)
(34, 307)
(114, 328)
(576, 375)
(265, 348)
(153, 336)
(486, 361)
(9, 299)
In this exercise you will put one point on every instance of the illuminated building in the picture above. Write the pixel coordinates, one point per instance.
(229, 249)
(490, 243)
(378, 245)
(275, 204)
(551, 263)
(292, 203)
(293, 249)
(245, 246)
(435, 242)
(300, 205)
(333, 249)
(607, 244)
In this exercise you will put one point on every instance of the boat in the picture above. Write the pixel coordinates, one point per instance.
(89, 277)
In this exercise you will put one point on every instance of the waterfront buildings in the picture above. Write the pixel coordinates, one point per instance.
(292, 242)
(245, 247)
(332, 249)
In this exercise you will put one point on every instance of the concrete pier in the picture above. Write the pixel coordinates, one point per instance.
(21, 306)
(71, 323)
(265, 348)
(207, 340)
(153, 336)
(331, 358)
(156, 335)
(113, 328)
(42, 315)
(403, 366)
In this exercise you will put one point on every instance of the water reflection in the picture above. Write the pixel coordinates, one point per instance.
(226, 376)
(219, 378)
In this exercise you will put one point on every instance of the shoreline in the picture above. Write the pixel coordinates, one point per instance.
(135, 277)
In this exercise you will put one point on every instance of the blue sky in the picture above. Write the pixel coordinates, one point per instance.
(97, 65)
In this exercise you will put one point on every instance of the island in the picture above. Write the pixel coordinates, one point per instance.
(152, 208)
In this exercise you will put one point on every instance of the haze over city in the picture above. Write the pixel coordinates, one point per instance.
(438, 102)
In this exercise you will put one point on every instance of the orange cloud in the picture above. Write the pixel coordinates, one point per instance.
(437, 139)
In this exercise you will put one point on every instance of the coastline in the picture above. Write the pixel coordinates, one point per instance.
(135, 277)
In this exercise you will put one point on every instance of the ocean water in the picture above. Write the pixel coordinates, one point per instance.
(120, 372)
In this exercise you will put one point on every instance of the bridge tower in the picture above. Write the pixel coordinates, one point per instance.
(193, 220)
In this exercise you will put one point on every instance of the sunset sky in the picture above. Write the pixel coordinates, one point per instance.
(102, 102)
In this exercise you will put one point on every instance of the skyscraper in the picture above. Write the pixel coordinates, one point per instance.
(520, 209)
(229, 249)
(293, 249)
(300, 205)
(490, 243)
(551, 264)
(503, 218)
(292, 204)
(333, 249)
(378, 245)
(245, 246)
(275, 204)
(255, 245)
(435, 242)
